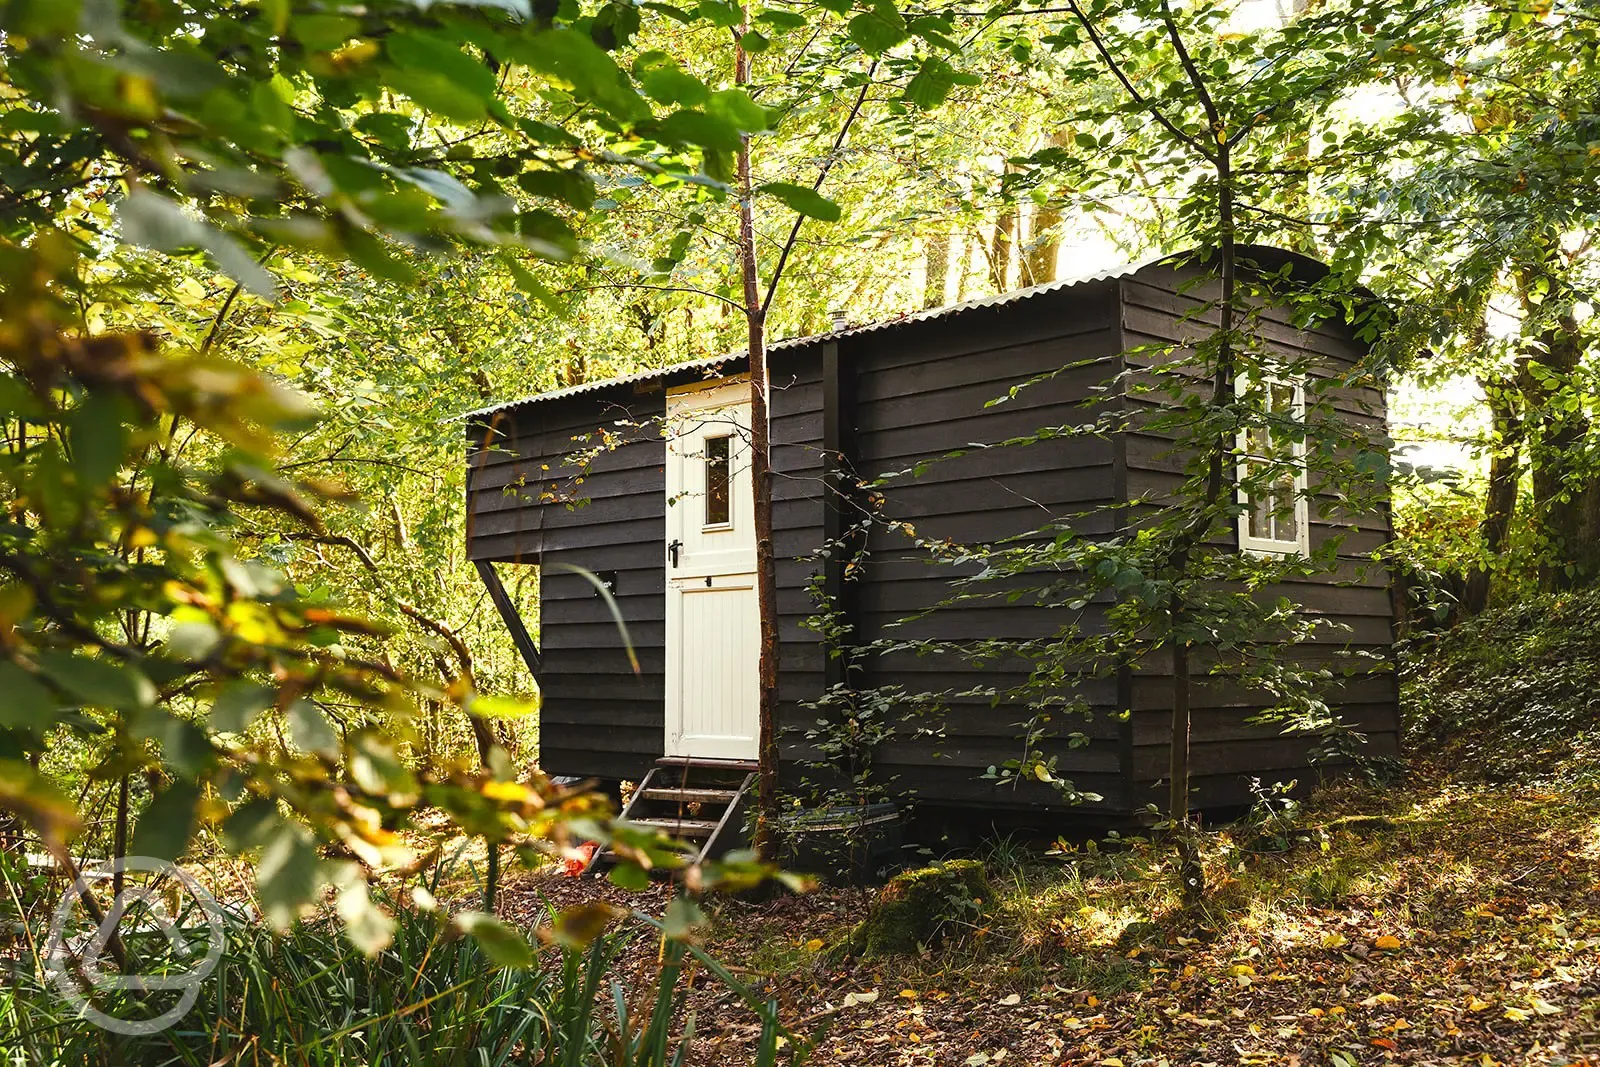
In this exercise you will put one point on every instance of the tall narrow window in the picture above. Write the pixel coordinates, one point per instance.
(719, 511)
(1272, 473)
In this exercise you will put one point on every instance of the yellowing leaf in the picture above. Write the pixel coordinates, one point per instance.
(814, 944)
(1475, 1004)
(909, 994)
(1380, 998)
(1388, 942)
(1517, 1015)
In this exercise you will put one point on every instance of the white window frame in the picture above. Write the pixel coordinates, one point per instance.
(1265, 546)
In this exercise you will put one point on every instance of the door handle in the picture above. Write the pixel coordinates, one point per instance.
(673, 550)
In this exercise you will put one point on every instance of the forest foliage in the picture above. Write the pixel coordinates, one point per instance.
(257, 257)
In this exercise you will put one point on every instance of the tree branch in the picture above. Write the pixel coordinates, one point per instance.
(1134, 94)
(822, 175)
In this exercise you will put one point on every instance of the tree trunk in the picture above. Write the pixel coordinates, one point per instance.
(1005, 228)
(936, 260)
(964, 265)
(1500, 501)
(1044, 247)
(761, 479)
(1043, 251)
(1556, 431)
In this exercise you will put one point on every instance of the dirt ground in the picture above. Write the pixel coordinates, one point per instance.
(1424, 924)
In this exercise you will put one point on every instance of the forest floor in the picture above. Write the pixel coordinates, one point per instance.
(1426, 923)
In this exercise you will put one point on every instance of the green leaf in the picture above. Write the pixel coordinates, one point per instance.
(500, 943)
(754, 43)
(40, 803)
(682, 917)
(25, 701)
(439, 55)
(932, 84)
(878, 30)
(369, 928)
(781, 20)
(804, 200)
(532, 286)
(98, 683)
(309, 729)
(323, 33)
(98, 433)
(165, 826)
(153, 221)
(578, 926)
(251, 825)
(375, 768)
(719, 13)
(629, 876)
(193, 640)
(569, 186)
(667, 83)
(287, 878)
(434, 92)
(571, 57)
(736, 108)
(697, 127)
(237, 704)
(184, 746)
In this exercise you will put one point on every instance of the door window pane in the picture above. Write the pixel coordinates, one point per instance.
(718, 481)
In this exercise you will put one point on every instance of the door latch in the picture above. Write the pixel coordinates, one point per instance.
(673, 550)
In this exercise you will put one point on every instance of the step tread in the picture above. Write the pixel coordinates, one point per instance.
(746, 765)
(677, 826)
(689, 794)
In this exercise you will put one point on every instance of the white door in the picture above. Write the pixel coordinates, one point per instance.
(713, 630)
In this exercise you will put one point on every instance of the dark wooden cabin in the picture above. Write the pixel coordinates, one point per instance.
(678, 559)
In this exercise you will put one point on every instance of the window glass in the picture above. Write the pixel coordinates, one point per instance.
(718, 482)
(1273, 510)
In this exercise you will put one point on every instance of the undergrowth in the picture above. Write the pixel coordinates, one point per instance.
(432, 998)
(1511, 695)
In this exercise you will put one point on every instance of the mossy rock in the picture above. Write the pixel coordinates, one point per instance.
(921, 908)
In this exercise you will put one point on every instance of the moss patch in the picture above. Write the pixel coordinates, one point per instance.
(921, 908)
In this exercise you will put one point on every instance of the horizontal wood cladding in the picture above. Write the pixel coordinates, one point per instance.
(1194, 306)
(1212, 725)
(1247, 757)
(529, 500)
(915, 393)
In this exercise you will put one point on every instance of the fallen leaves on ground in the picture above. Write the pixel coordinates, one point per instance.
(1462, 929)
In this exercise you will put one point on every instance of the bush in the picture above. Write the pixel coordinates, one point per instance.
(918, 909)
(1512, 693)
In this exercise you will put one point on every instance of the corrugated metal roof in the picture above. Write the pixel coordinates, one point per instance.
(949, 311)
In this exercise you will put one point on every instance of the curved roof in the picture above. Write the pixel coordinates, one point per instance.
(1265, 256)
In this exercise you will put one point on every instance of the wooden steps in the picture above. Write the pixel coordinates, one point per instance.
(686, 828)
(698, 801)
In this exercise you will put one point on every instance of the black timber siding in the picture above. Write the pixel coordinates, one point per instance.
(526, 505)
(1158, 315)
(921, 392)
(797, 534)
(911, 393)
